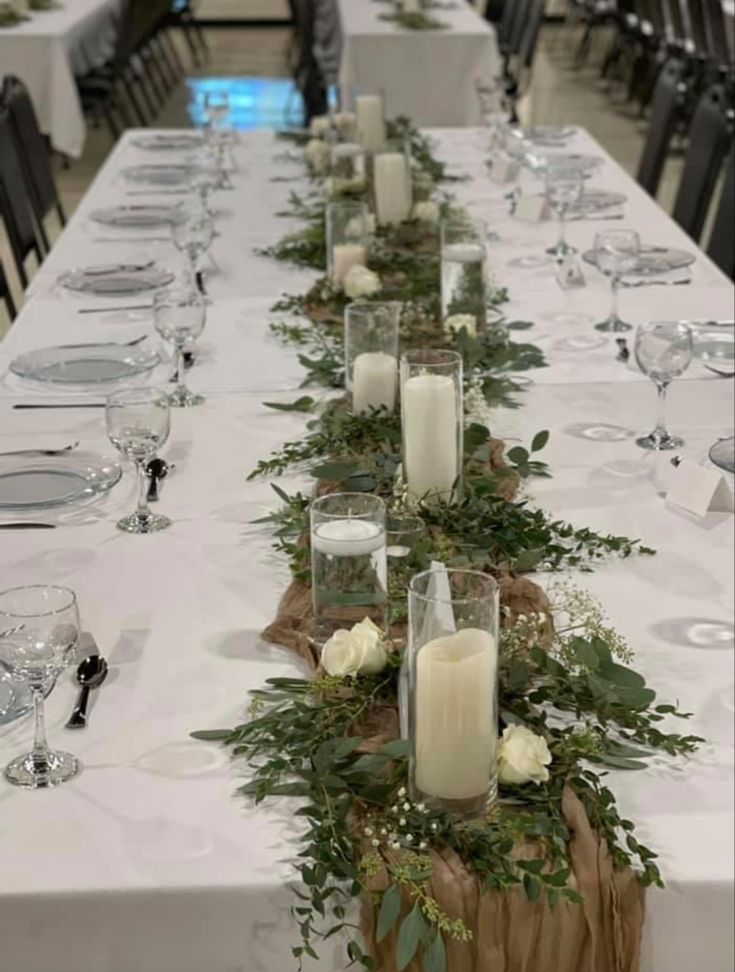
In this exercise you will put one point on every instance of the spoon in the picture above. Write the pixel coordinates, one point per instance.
(91, 673)
(156, 470)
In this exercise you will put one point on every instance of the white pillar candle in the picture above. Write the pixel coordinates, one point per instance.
(374, 377)
(411, 6)
(370, 122)
(392, 188)
(347, 537)
(456, 734)
(430, 461)
(345, 256)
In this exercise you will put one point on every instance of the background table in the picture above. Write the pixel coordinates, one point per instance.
(147, 861)
(428, 75)
(47, 51)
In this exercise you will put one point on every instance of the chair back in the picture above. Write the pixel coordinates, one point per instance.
(15, 204)
(535, 16)
(722, 241)
(31, 147)
(708, 143)
(669, 96)
(716, 30)
(5, 294)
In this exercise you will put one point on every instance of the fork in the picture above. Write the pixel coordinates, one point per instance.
(105, 344)
(42, 452)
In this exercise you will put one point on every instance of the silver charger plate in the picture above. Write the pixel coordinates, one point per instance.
(652, 260)
(551, 134)
(596, 200)
(137, 216)
(158, 175)
(722, 454)
(46, 482)
(83, 366)
(112, 280)
(169, 142)
(715, 345)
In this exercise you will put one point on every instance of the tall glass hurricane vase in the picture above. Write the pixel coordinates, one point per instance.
(348, 237)
(663, 351)
(371, 354)
(452, 690)
(431, 420)
(348, 562)
(463, 271)
(39, 629)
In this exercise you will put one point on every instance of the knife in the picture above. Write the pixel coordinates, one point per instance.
(27, 526)
(112, 310)
(29, 405)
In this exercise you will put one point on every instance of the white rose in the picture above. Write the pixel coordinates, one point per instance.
(320, 125)
(523, 757)
(359, 651)
(427, 211)
(456, 322)
(360, 282)
(317, 155)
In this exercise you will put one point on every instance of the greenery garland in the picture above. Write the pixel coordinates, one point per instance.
(568, 679)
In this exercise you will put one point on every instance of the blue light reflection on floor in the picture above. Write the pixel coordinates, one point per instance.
(255, 103)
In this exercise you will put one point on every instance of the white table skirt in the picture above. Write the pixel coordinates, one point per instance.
(147, 861)
(47, 52)
(428, 75)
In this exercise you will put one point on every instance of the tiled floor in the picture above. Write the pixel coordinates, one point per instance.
(264, 98)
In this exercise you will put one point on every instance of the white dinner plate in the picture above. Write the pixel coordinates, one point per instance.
(169, 142)
(84, 366)
(158, 175)
(138, 216)
(112, 280)
(45, 482)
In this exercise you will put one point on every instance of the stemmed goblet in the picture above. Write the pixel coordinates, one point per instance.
(616, 253)
(193, 236)
(564, 189)
(179, 315)
(41, 625)
(217, 110)
(663, 351)
(138, 424)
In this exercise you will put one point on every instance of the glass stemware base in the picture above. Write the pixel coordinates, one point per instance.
(183, 398)
(143, 523)
(659, 442)
(33, 772)
(613, 325)
(561, 250)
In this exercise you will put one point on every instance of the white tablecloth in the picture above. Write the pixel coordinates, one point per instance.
(147, 862)
(428, 75)
(47, 51)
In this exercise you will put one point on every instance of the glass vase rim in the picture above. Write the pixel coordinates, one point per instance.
(57, 588)
(443, 357)
(378, 501)
(176, 292)
(682, 326)
(141, 395)
(493, 587)
(362, 304)
(337, 204)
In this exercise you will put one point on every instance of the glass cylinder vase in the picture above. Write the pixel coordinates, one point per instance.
(452, 661)
(348, 238)
(463, 274)
(432, 423)
(349, 571)
(348, 168)
(371, 355)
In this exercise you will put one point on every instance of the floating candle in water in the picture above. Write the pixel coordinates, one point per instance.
(347, 537)
(345, 256)
(455, 719)
(374, 378)
(430, 422)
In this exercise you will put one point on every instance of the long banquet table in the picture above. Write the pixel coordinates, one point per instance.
(444, 64)
(147, 861)
(48, 50)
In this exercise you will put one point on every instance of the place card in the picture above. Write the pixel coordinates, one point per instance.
(503, 169)
(569, 274)
(531, 209)
(699, 490)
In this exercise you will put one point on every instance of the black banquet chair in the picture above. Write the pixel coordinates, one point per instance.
(721, 248)
(15, 204)
(34, 154)
(5, 295)
(669, 100)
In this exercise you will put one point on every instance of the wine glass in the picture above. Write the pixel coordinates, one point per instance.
(616, 253)
(193, 236)
(138, 423)
(217, 110)
(40, 626)
(564, 189)
(663, 351)
(179, 315)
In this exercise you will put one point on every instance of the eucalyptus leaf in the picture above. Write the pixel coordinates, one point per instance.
(435, 955)
(409, 936)
(390, 909)
(304, 404)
